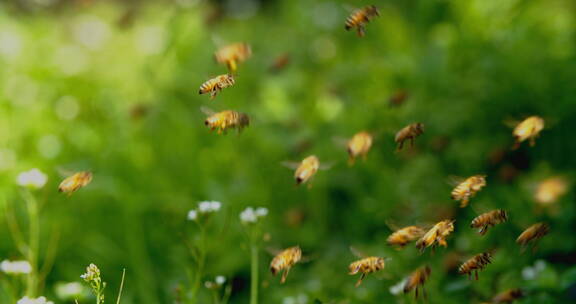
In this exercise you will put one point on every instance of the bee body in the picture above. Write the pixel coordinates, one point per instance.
(359, 18)
(508, 296)
(366, 266)
(477, 262)
(405, 235)
(285, 260)
(75, 182)
(409, 132)
(417, 279)
(232, 54)
(468, 188)
(489, 219)
(436, 235)
(358, 146)
(216, 84)
(533, 234)
(222, 121)
(307, 169)
(529, 128)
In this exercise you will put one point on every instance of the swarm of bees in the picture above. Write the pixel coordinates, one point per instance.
(468, 188)
(284, 261)
(72, 183)
(475, 263)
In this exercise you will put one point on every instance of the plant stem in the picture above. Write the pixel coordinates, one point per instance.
(199, 264)
(34, 243)
(121, 286)
(254, 273)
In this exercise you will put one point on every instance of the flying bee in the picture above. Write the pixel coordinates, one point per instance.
(75, 182)
(550, 190)
(284, 261)
(216, 84)
(508, 296)
(232, 54)
(477, 262)
(489, 219)
(222, 121)
(417, 279)
(533, 234)
(280, 63)
(409, 132)
(365, 266)
(529, 128)
(360, 17)
(359, 145)
(436, 235)
(405, 235)
(468, 188)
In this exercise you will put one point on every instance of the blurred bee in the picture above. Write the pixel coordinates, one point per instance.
(360, 17)
(75, 182)
(216, 84)
(529, 128)
(417, 279)
(284, 261)
(365, 266)
(359, 145)
(436, 235)
(489, 219)
(550, 190)
(307, 169)
(280, 63)
(222, 121)
(477, 262)
(508, 296)
(533, 234)
(468, 188)
(409, 132)
(232, 54)
(398, 98)
(405, 235)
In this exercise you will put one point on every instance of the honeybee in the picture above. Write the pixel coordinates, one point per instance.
(307, 169)
(529, 128)
(365, 266)
(508, 296)
(533, 234)
(417, 279)
(477, 262)
(550, 190)
(409, 132)
(216, 84)
(436, 235)
(222, 121)
(398, 98)
(232, 54)
(75, 182)
(280, 63)
(489, 219)
(284, 261)
(359, 145)
(360, 17)
(468, 188)
(405, 235)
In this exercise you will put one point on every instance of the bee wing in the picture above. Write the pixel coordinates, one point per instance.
(326, 166)
(357, 253)
(273, 250)
(511, 122)
(65, 172)
(454, 180)
(340, 141)
(392, 225)
(207, 111)
(218, 41)
(290, 164)
(349, 7)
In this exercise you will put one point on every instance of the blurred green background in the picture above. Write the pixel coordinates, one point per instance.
(112, 87)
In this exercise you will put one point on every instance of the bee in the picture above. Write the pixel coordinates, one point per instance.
(550, 190)
(398, 98)
(359, 145)
(533, 234)
(468, 188)
(216, 84)
(222, 121)
(284, 261)
(417, 279)
(477, 262)
(409, 132)
(436, 235)
(405, 235)
(529, 128)
(365, 266)
(280, 63)
(360, 17)
(489, 219)
(75, 182)
(307, 169)
(232, 54)
(508, 296)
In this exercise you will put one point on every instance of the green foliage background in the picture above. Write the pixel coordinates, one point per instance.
(468, 67)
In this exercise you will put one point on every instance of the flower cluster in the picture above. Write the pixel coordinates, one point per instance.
(68, 291)
(218, 281)
(251, 215)
(40, 300)
(92, 277)
(34, 179)
(15, 267)
(204, 208)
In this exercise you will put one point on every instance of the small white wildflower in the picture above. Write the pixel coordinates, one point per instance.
(192, 215)
(15, 267)
(209, 284)
(528, 273)
(33, 178)
(205, 206)
(248, 216)
(92, 273)
(40, 300)
(261, 212)
(69, 290)
(220, 280)
(215, 205)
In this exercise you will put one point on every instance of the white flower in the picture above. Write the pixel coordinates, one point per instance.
(215, 205)
(69, 290)
(209, 206)
(261, 211)
(220, 280)
(15, 267)
(192, 215)
(33, 179)
(40, 300)
(249, 215)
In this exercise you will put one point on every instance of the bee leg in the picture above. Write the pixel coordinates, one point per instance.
(361, 31)
(476, 273)
(416, 290)
(400, 145)
(284, 275)
(360, 280)
(483, 230)
(532, 141)
(411, 142)
(213, 93)
(424, 293)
